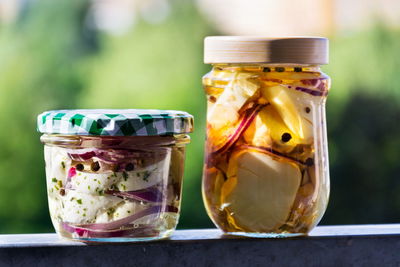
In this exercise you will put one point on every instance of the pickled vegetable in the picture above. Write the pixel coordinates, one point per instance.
(104, 192)
(264, 168)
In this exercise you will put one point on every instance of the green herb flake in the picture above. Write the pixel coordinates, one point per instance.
(54, 180)
(88, 187)
(59, 183)
(84, 215)
(63, 164)
(146, 176)
(101, 192)
(123, 187)
(79, 201)
(110, 211)
(125, 175)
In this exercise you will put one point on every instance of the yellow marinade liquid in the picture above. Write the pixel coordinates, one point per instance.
(266, 153)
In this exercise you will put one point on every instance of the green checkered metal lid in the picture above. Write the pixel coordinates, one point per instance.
(113, 122)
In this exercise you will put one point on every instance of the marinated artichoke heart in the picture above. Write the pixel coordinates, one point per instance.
(260, 191)
(223, 116)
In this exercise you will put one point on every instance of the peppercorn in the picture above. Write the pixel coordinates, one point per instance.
(298, 69)
(286, 137)
(309, 161)
(266, 69)
(115, 168)
(95, 166)
(307, 110)
(213, 99)
(62, 192)
(129, 167)
(280, 69)
(80, 167)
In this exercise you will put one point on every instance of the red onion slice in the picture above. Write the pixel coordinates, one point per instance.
(248, 118)
(109, 155)
(307, 90)
(151, 194)
(130, 219)
(144, 231)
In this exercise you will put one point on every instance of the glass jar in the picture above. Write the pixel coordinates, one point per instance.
(114, 175)
(266, 170)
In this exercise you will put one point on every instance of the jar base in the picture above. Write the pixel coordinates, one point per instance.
(266, 235)
(161, 236)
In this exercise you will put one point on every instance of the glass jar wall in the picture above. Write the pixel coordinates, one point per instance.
(266, 170)
(114, 188)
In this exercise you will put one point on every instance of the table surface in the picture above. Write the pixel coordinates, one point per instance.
(346, 245)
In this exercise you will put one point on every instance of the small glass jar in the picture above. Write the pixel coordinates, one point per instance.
(266, 170)
(114, 175)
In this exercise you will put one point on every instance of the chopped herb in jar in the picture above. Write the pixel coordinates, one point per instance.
(123, 187)
(146, 176)
(110, 211)
(125, 175)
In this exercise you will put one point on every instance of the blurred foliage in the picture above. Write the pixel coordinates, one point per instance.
(363, 114)
(51, 59)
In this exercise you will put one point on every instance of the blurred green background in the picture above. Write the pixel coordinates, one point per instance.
(54, 55)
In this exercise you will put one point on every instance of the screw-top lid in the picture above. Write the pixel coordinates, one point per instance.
(244, 49)
(111, 122)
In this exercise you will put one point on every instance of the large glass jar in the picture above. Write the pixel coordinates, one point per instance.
(114, 175)
(266, 162)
